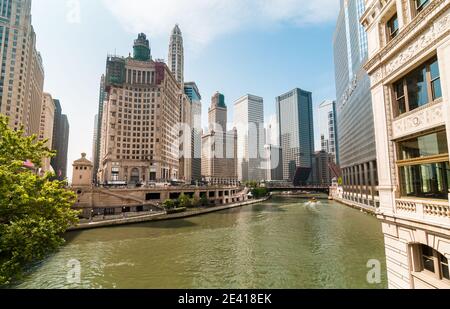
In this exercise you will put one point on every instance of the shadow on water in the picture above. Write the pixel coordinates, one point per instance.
(166, 224)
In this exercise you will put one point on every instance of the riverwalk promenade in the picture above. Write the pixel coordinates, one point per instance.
(160, 216)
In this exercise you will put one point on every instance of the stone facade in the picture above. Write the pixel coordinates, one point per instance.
(113, 201)
(409, 68)
(82, 172)
(22, 79)
(139, 127)
(46, 126)
(219, 147)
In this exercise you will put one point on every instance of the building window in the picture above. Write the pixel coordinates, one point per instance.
(432, 263)
(424, 166)
(421, 4)
(392, 27)
(418, 88)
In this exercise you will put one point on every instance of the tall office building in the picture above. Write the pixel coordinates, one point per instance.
(60, 142)
(295, 119)
(249, 122)
(322, 172)
(219, 147)
(94, 143)
(272, 131)
(98, 129)
(22, 77)
(273, 163)
(141, 112)
(192, 92)
(176, 54)
(46, 126)
(328, 129)
(355, 125)
(409, 67)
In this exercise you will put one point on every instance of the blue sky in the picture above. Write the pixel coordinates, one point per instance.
(262, 47)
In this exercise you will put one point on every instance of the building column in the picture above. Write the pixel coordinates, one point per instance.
(443, 53)
(372, 182)
(366, 181)
(355, 182)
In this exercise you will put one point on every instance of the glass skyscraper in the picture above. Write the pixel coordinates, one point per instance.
(295, 118)
(356, 138)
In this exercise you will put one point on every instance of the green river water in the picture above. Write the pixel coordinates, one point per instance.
(282, 243)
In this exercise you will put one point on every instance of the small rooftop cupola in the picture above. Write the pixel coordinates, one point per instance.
(218, 100)
(82, 172)
(141, 48)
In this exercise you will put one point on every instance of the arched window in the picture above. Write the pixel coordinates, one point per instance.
(432, 262)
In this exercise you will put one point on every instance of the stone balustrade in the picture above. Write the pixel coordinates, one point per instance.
(432, 211)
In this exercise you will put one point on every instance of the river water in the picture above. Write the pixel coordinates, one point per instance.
(282, 243)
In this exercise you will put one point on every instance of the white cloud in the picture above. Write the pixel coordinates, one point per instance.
(202, 21)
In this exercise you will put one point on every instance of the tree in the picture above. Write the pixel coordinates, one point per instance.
(204, 201)
(251, 184)
(34, 211)
(259, 192)
(184, 201)
(195, 202)
(169, 204)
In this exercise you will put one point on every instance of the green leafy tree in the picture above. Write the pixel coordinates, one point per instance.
(204, 201)
(184, 201)
(169, 204)
(34, 211)
(195, 202)
(259, 192)
(251, 184)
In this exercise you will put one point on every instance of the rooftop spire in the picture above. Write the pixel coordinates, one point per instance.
(141, 48)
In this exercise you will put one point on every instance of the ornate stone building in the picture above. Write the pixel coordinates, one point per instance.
(22, 77)
(409, 69)
(219, 147)
(46, 126)
(141, 112)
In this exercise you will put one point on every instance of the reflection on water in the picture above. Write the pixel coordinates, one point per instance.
(283, 243)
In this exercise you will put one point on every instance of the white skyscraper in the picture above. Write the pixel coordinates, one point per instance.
(176, 54)
(273, 131)
(249, 122)
(327, 128)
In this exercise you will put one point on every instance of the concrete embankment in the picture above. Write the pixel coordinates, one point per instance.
(362, 207)
(162, 216)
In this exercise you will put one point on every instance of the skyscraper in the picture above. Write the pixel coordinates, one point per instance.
(219, 147)
(191, 90)
(60, 142)
(249, 122)
(328, 129)
(141, 111)
(22, 77)
(46, 126)
(355, 125)
(176, 54)
(272, 131)
(94, 142)
(98, 129)
(295, 118)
